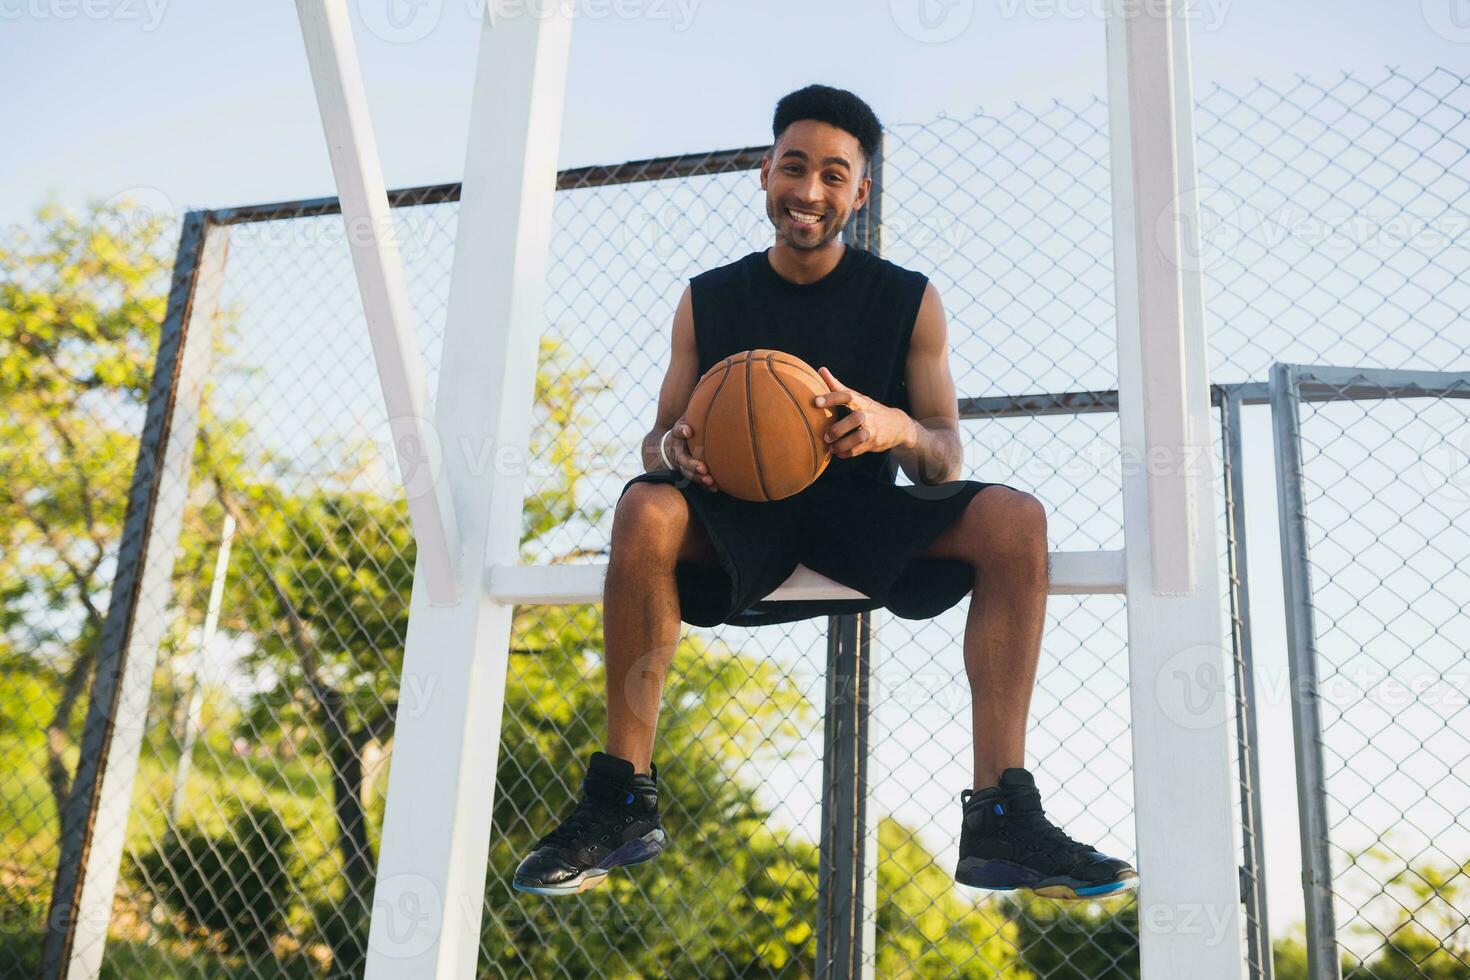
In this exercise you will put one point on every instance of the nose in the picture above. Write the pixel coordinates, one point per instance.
(810, 191)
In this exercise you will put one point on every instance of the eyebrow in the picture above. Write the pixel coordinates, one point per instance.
(801, 154)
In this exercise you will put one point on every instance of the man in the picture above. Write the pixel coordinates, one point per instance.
(681, 549)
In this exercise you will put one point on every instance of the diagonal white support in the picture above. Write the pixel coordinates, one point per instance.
(374, 245)
(430, 888)
(1189, 894)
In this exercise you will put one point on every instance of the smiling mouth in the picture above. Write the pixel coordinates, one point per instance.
(803, 219)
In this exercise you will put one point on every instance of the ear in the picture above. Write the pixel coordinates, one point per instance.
(865, 187)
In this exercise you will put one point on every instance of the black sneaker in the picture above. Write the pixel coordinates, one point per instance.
(615, 824)
(1007, 842)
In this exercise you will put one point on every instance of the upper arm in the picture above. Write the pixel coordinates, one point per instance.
(683, 372)
(932, 399)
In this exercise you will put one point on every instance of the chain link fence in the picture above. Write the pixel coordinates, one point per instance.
(267, 731)
(1373, 470)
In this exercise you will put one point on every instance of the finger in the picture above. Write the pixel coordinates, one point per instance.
(846, 424)
(843, 397)
(830, 378)
(694, 469)
(840, 428)
(683, 456)
(853, 443)
(683, 431)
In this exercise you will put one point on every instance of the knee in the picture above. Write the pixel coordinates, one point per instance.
(1010, 528)
(650, 518)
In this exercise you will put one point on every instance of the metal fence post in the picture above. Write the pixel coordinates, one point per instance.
(94, 821)
(1301, 643)
(847, 875)
(1253, 872)
(844, 927)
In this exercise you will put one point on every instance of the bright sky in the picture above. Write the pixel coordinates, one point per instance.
(210, 105)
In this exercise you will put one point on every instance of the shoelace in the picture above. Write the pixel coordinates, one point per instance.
(1053, 839)
(588, 816)
(1034, 825)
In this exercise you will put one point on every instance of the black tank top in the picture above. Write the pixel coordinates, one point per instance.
(855, 321)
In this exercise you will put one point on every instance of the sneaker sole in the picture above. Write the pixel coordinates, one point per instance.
(636, 851)
(1003, 876)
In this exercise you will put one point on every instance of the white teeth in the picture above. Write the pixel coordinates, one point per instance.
(806, 219)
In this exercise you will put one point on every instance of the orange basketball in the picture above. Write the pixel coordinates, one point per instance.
(755, 425)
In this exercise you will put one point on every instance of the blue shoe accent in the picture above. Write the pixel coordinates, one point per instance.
(1105, 889)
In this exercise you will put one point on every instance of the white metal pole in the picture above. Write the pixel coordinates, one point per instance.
(100, 865)
(192, 716)
(1189, 892)
(342, 100)
(430, 887)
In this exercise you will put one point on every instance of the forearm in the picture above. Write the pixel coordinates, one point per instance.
(651, 458)
(935, 455)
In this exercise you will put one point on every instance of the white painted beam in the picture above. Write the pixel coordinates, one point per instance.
(430, 889)
(1072, 573)
(371, 238)
(1189, 893)
(151, 609)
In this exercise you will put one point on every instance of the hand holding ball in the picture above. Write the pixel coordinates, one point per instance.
(755, 425)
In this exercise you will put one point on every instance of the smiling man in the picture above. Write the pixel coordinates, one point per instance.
(682, 549)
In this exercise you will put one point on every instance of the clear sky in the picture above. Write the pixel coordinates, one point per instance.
(210, 105)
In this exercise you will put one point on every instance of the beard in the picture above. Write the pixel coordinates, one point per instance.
(821, 235)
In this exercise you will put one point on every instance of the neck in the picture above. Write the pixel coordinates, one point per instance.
(802, 265)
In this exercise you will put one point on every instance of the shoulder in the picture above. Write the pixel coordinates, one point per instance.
(729, 274)
(902, 278)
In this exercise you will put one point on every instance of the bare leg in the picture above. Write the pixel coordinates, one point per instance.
(1003, 535)
(653, 529)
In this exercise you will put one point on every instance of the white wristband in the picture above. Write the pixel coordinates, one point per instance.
(662, 454)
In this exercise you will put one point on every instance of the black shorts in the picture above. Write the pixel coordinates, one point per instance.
(858, 532)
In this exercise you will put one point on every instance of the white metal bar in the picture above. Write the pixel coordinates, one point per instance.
(1072, 573)
(149, 617)
(1156, 211)
(1189, 898)
(193, 716)
(342, 100)
(430, 889)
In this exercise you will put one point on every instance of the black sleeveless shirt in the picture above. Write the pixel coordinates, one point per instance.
(855, 321)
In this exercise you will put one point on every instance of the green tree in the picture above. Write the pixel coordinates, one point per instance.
(320, 581)
(81, 304)
(1096, 940)
(1415, 927)
(928, 926)
(1419, 918)
(318, 584)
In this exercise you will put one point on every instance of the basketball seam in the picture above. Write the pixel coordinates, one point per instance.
(755, 452)
(811, 436)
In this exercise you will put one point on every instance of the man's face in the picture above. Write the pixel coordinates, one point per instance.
(814, 170)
